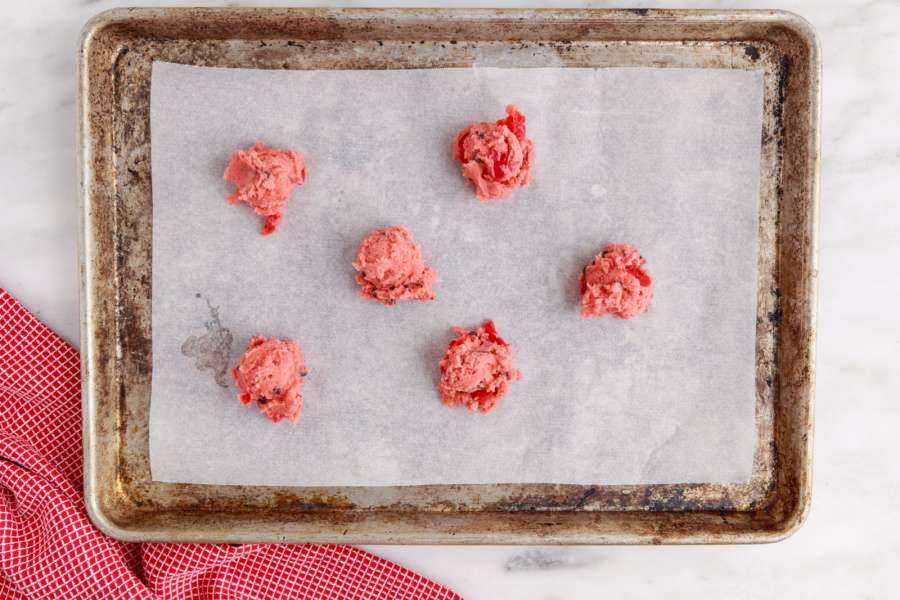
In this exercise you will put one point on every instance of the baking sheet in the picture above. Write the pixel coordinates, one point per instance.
(665, 159)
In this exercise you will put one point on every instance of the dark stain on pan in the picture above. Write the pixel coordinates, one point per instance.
(673, 499)
(567, 498)
(653, 498)
(752, 52)
(587, 495)
(291, 501)
(778, 105)
(135, 339)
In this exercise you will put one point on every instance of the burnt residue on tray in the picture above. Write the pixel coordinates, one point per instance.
(211, 351)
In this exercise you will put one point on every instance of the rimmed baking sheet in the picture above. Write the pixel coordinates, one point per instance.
(118, 255)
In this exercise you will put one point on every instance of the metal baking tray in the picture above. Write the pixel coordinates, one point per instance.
(117, 50)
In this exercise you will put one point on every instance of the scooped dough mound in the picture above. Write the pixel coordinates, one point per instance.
(271, 374)
(264, 178)
(495, 157)
(615, 283)
(476, 369)
(391, 267)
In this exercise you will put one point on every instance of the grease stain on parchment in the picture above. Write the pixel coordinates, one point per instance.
(211, 351)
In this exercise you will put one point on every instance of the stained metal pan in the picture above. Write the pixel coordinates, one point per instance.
(117, 50)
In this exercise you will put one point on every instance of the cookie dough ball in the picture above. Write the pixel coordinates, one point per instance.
(615, 283)
(495, 157)
(476, 369)
(271, 374)
(264, 178)
(391, 267)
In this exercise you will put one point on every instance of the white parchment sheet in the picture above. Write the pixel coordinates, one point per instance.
(664, 159)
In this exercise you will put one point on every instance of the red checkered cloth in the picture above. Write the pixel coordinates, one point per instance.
(49, 548)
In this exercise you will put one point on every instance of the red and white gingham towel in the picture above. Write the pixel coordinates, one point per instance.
(49, 548)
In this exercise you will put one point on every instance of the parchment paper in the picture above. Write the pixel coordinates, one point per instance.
(664, 159)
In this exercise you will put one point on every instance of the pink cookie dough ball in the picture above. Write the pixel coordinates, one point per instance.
(271, 374)
(476, 369)
(615, 283)
(495, 157)
(264, 178)
(391, 267)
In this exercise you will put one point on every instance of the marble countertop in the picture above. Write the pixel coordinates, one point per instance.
(849, 546)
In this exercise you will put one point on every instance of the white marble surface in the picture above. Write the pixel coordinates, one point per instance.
(849, 547)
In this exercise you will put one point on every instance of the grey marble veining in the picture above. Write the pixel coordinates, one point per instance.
(849, 546)
(550, 559)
